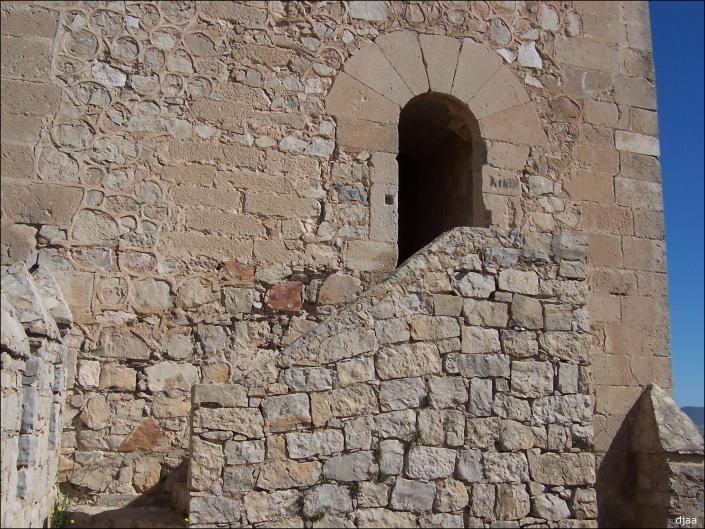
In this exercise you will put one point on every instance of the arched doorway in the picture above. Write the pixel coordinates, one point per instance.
(439, 153)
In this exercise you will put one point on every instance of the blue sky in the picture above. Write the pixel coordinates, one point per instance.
(677, 33)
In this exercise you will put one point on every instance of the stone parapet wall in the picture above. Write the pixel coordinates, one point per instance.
(457, 392)
(664, 485)
(33, 358)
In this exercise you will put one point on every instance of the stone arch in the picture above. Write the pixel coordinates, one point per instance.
(383, 76)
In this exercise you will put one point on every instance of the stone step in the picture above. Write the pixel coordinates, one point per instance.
(129, 517)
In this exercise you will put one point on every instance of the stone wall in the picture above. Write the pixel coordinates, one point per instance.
(664, 485)
(34, 317)
(455, 393)
(204, 194)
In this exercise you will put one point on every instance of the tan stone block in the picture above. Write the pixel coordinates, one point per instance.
(507, 155)
(614, 220)
(644, 121)
(639, 167)
(638, 63)
(251, 180)
(267, 204)
(593, 187)
(599, 113)
(647, 312)
(639, 36)
(290, 119)
(638, 194)
(596, 160)
(644, 254)
(503, 91)
(652, 370)
(624, 339)
(500, 182)
(192, 151)
(369, 66)
(34, 99)
(29, 19)
(652, 284)
(638, 143)
(441, 56)
(612, 370)
(519, 125)
(591, 84)
(476, 65)
(606, 426)
(370, 256)
(16, 161)
(610, 31)
(241, 156)
(40, 203)
(221, 111)
(350, 98)
(385, 169)
(189, 174)
(266, 55)
(288, 163)
(225, 223)
(235, 12)
(403, 51)
(613, 281)
(269, 252)
(604, 307)
(607, 10)
(77, 288)
(191, 243)
(634, 92)
(586, 53)
(25, 58)
(604, 250)
(615, 400)
(384, 225)
(227, 199)
(19, 129)
(358, 134)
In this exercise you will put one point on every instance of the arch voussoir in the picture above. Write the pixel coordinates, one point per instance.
(350, 98)
(371, 67)
(403, 51)
(440, 55)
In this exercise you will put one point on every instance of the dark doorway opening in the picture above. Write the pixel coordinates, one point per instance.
(436, 167)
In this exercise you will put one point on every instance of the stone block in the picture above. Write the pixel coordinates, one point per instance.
(569, 469)
(401, 394)
(634, 92)
(350, 98)
(360, 134)
(408, 360)
(402, 50)
(370, 66)
(319, 443)
(27, 59)
(34, 99)
(532, 379)
(502, 467)
(586, 53)
(40, 203)
(440, 55)
(357, 466)
(414, 496)
(476, 65)
(519, 125)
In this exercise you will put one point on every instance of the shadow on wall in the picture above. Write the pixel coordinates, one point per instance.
(653, 471)
(162, 505)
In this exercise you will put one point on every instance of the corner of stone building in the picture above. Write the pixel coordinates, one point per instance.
(35, 319)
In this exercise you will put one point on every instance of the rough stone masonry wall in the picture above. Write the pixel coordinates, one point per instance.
(34, 316)
(454, 394)
(175, 164)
